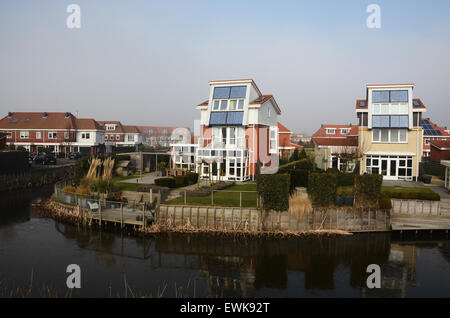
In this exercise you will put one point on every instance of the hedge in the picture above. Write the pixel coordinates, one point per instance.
(367, 190)
(346, 179)
(274, 191)
(385, 203)
(165, 182)
(322, 188)
(304, 164)
(411, 194)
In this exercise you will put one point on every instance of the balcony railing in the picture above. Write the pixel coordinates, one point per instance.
(222, 143)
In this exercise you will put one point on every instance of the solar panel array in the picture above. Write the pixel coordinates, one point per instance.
(428, 129)
(226, 118)
(416, 103)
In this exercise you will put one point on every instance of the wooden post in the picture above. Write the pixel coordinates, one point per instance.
(184, 197)
(212, 197)
(151, 196)
(143, 216)
(100, 210)
(368, 223)
(121, 215)
(240, 200)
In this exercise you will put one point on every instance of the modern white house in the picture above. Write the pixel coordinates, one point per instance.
(238, 134)
(390, 132)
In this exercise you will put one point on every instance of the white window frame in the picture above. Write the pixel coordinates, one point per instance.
(344, 131)
(273, 147)
(25, 134)
(38, 135)
(330, 131)
(117, 137)
(376, 132)
(52, 135)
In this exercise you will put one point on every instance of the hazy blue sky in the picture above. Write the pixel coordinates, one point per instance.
(149, 62)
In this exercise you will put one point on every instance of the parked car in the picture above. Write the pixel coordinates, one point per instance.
(75, 155)
(45, 159)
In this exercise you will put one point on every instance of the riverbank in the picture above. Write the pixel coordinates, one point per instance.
(73, 214)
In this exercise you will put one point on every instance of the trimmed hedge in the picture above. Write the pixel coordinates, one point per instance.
(322, 188)
(303, 164)
(165, 182)
(346, 179)
(411, 194)
(367, 190)
(384, 203)
(274, 191)
(299, 178)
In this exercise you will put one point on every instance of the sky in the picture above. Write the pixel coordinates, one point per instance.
(149, 62)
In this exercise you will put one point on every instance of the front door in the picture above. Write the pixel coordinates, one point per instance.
(392, 169)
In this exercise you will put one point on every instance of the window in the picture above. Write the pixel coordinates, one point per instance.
(9, 135)
(232, 105)
(110, 127)
(117, 137)
(223, 105)
(389, 135)
(85, 136)
(230, 92)
(345, 131)
(52, 135)
(330, 131)
(273, 140)
(216, 105)
(106, 137)
(66, 135)
(111, 137)
(24, 135)
(390, 121)
(241, 104)
(38, 135)
(389, 96)
(130, 137)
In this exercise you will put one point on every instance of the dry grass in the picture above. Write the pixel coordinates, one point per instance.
(299, 205)
(108, 167)
(95, 163)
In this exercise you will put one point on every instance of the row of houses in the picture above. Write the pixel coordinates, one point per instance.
(391, 138)
(62, 132)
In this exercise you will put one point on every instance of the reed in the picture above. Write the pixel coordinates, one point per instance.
(299, 205)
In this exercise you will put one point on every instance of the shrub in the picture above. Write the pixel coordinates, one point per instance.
(192, 177)
(346, 179)
(333, 170)
(411, 194)
(322, 188)
(83, 191)
(81, 168)
(180, 181)
(274, 191)
(384, 203)
(162, 166)
(122, 157)
(165, 182)
(101, 186)
(368, 190)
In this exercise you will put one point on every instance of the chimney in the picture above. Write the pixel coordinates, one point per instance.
(9, 114)
(45, 115)
(67, 115)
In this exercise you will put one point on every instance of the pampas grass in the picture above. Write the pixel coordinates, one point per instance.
(299, 205)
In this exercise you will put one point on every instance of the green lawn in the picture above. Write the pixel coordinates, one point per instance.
(410, 193)
(224, 197)
(122, 186)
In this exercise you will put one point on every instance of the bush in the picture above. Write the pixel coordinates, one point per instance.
(274, 191)
(322, 188)
(165, 182)
(69, 189)
(101, 186)
(367, 190)
(411, 194)
(122, 157)
(384, 203)
(426, 178)
(81, 168)
(333, 170)
(192, 177)
(346, 179)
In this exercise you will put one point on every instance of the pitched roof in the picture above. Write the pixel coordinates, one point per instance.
(38, 120)
(321, 132)
(441, 144)
(261, 99)
(283, 129)
(205, 103)
(130, 129)
(421, 105)
(340, 142)
(119, 127)
(360, 102)
(87, 123)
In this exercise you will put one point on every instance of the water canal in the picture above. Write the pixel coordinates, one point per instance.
(199, 266)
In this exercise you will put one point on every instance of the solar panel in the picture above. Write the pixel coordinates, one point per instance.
(235, 118)
(260, 99)
(15, 121)
(218, 118)
(438, 133)
(416, 103)
(362, 104)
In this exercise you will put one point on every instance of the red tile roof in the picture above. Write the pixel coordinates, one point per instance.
(350, 141)
(321, 132)
(283, 129)
(130, 129)
(37, 120)
(422, 106)
(119, 127)
(261, 99)
(358, 101)
(87, 123)
(205, 103)
(441, 144)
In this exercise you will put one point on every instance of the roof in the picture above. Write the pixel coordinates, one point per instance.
(130, 129)
(441, 144)
(205, 103)
(261, 99)
(420, 106)
(87, 123)
(283, 129)
(360, 104)
(119, 127)
(37, 120)
(389, 85)
(339, 142)
(321, 132)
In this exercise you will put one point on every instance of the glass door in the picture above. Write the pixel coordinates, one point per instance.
(384, 167)
(393, 168)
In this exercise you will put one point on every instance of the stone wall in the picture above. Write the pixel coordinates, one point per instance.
(415, 207)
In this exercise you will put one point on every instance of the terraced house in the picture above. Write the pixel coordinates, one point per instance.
(238, 133)
(120, 135)
(390, 132)
(61, 132)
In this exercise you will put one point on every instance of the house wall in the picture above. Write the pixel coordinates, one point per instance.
(320, 154)
(438, 155)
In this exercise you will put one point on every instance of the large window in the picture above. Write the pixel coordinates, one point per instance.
(225, 104)
(52, 135)
(273, 142)
(389, 135)
(389, 96)
(230, 92)
(390, 109)
(383, 121)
